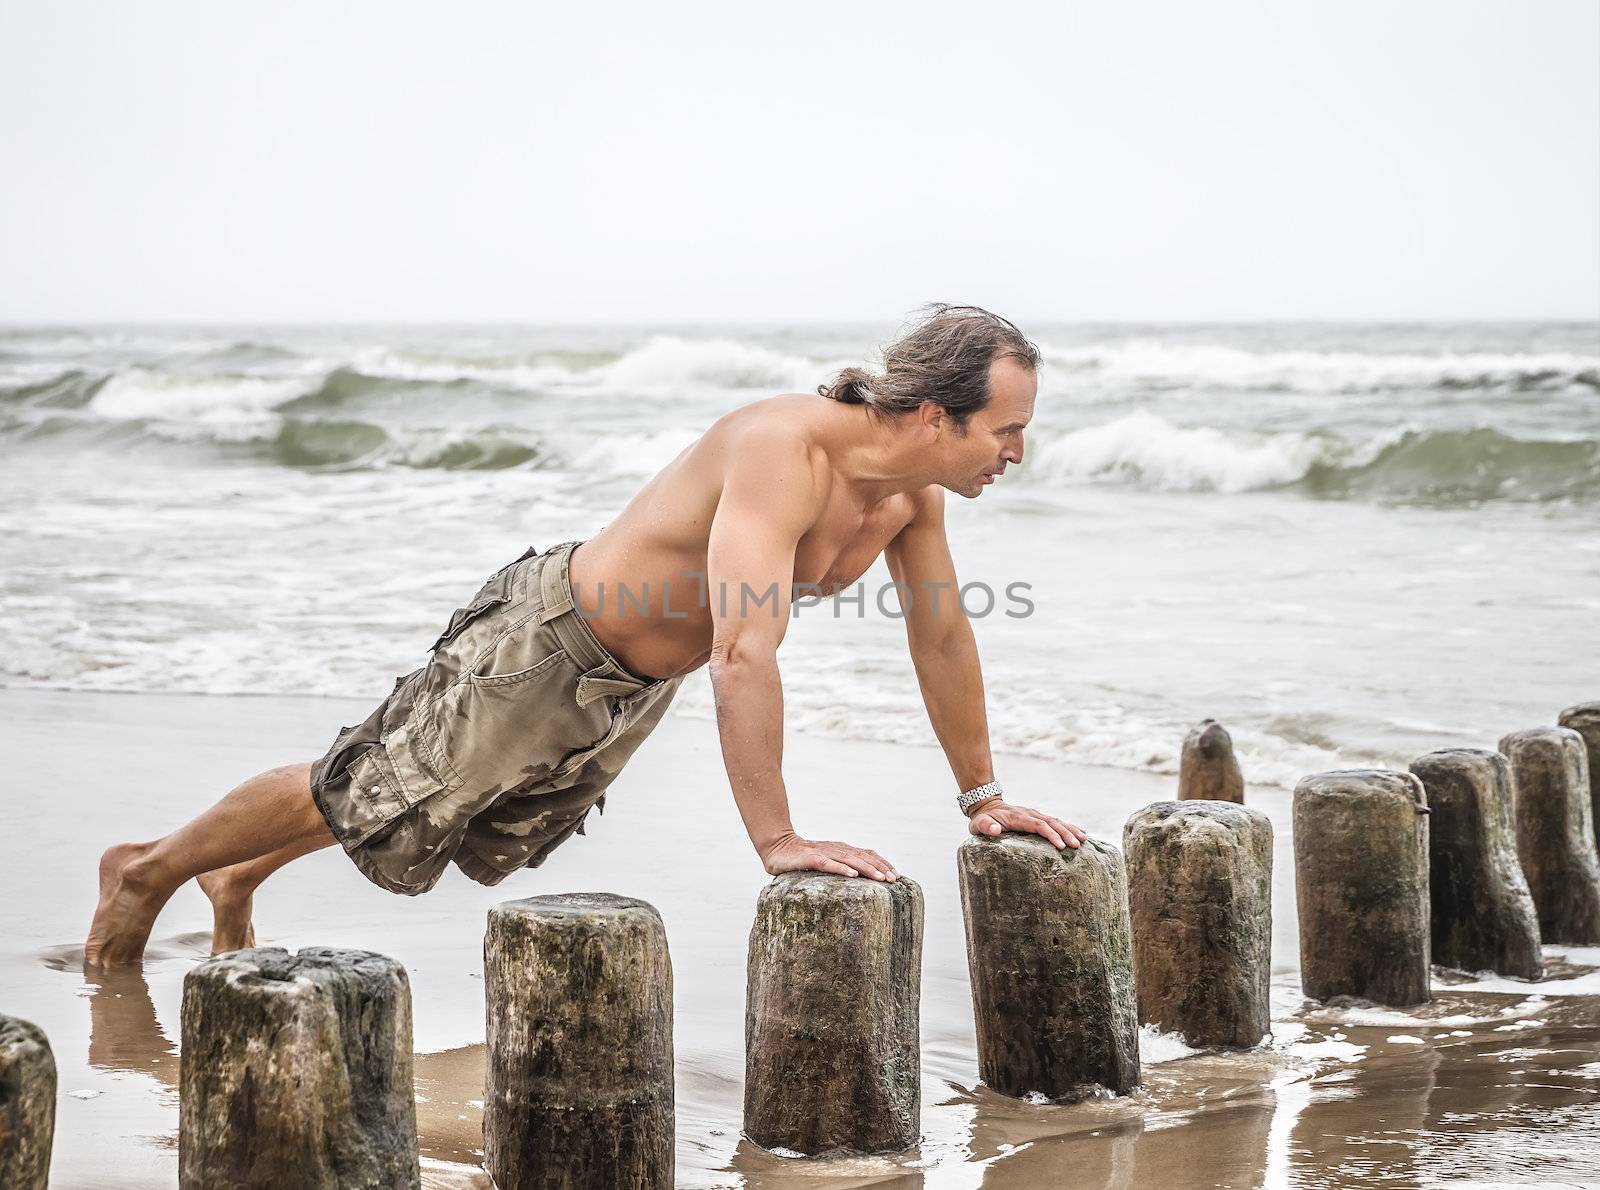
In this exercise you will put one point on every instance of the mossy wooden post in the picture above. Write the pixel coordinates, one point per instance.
(1052, 970)
(1585, 720)
(1200, 903)
(833, 1060)
(1555, 831)
(295, 1072)
(1207, 770)
(1482, 914)
(27, 1105)
(1361, 885)
(579, 1088)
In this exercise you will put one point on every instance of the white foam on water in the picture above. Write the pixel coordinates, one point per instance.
(1319, 371)
(149, 392)
(1145, 448)
(1378, 1016)
(668, 362)
(1156, 1046)
(638, 454)
(1333, 1049)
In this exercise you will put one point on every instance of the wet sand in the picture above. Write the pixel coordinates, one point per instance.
(1497, 1082)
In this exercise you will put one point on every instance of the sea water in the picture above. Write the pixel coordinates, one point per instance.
(1350, 543)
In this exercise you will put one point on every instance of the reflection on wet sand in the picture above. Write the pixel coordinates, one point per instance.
(124, 1032)
(1213, 1104)
(1361, 1131)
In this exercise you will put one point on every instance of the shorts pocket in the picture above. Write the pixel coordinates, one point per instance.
(516, 677)
(409, 764)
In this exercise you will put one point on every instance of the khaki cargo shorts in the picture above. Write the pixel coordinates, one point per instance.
(493, 753)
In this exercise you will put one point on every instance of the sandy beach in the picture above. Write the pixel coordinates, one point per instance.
(1345, 1097)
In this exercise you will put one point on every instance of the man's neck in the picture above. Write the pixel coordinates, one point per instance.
(873, 457)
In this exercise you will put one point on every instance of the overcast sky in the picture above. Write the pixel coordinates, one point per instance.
(818, 161)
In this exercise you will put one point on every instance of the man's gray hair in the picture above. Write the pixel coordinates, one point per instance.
(943, 357)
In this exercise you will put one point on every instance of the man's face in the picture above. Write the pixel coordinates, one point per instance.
(993, 438)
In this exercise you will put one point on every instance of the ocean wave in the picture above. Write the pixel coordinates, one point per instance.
(54, 389)
(356, 444)
(1172, 365)
(1441, 466)
(663, 365)
(1465, 466)
(331, 427)
(142, 392)
(1147, 450)
(344, 385)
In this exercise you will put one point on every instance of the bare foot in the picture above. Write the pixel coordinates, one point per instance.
(127, 909)
(231, 928)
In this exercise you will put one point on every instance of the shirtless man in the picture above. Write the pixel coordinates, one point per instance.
(546, 682)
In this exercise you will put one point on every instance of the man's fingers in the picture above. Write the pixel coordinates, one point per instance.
(1073, 835)
(876, 869)
(885, 865)
(1042, 826)
(824, 864)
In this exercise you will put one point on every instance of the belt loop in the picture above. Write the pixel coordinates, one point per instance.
(552, 590)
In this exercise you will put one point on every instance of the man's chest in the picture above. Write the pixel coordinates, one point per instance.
(839, 549)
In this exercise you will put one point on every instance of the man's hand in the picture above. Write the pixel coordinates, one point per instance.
(996, 816)
(791, 853)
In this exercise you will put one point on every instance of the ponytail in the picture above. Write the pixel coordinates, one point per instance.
(853, 386)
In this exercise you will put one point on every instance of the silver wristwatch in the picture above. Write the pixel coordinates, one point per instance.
(973, 796)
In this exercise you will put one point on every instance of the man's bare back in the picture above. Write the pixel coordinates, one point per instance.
(656, 548)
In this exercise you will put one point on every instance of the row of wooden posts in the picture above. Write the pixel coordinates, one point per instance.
(297, 1069)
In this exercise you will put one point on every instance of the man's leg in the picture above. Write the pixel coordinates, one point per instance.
(232, 889)
(268, 813)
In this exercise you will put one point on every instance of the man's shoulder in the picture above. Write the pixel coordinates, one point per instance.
(783, 427)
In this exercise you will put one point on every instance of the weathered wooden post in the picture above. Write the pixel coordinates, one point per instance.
(1200, 903)
(27, 1105)
(1555, 831)
(833, 1059)
(1481, 911)
(1052, 970)
(1207, 770)
(1361, 884)
(1585, 720)
(295, 1071)
(579, 1090)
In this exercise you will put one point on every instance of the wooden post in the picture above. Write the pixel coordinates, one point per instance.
(1200, 901)
(1207, 770)
(1361, 884)
(1482, 914)
(296, 1072)
(1555, 831)
(833, 1060)
(579, 1088)
(1585, 720)
(1052, 969)
(27, 1105)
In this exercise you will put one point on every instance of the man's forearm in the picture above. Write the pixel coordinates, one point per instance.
(749, 699)
(952, 687)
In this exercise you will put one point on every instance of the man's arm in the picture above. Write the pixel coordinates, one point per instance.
(945, 654)
(771, 495)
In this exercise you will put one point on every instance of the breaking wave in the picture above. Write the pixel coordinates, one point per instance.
(1434, 466)
(1164, 364)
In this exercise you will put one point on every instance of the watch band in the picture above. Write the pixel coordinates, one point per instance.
(973, 796)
